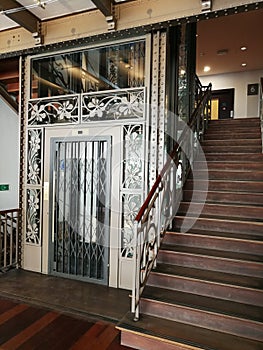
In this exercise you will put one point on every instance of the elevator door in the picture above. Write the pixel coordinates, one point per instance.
(80, 178)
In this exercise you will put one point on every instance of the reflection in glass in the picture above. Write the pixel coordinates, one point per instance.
(110, 67)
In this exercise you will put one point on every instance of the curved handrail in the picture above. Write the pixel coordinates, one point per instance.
(160, 206)
(172, 155)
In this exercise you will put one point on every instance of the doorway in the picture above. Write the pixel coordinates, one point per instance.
(223, 104)
(80, 220)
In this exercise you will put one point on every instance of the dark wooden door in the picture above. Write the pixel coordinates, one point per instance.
(226, 102)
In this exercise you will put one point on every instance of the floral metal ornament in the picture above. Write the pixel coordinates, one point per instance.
(113, 105)
(34, 156)
(131, 205)
(33, 216)
(54, 110)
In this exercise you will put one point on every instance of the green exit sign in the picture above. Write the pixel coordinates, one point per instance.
(4, 187)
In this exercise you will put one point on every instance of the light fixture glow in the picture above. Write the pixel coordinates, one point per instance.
(243, 48)
(207, 69)
(243, 64)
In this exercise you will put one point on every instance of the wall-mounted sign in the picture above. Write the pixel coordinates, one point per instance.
(252, 89)
(4, 187)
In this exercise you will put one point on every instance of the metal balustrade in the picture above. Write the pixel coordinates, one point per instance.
(9, 239)
(158, 211)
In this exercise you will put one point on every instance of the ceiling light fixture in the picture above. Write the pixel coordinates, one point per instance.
(243, 48)
(207, 69)
(222, 52)
(243, 64)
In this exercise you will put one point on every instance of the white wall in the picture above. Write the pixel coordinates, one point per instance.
(244, 105)
(9, 158)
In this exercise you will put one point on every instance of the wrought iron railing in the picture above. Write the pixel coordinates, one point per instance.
(158, 211)
(9, 239)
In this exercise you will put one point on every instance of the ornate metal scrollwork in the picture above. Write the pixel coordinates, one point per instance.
(34, 163)
(33, 234)
(113, 105)
(55, 110)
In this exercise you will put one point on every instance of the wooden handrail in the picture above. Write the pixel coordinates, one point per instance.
(8, 211)
(172, 154)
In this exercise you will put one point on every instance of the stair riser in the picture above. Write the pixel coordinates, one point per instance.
(238, 267)
(217, 135)
(217, 225)
(238, 157)
(225, 185)
(232, 149)
(217, 322)
(223, 244)
(235, 121)
(208, 289)
(231, 142)
(228, 175)
(224, 197)
(221, 211)
(244, 166)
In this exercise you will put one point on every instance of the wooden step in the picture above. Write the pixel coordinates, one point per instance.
(222, 135)
(232, 142)
(235, 228)
(224, 197)
(203, 259)
(223, 286)
(235, 157)
(224, 165)
(202, 303)
(226, 244)
(244, 149)
(209, 313)
(235, 121)
(218, 210)
(224, 185)
(153, 333)
(249, 175)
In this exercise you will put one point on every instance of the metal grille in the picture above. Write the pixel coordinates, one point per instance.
(80, 202)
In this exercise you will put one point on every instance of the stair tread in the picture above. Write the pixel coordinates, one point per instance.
(213, 252)
(224, 197)
(237, 235)
(204, 303)
(221, 210)
(189, 335)
(206, 275)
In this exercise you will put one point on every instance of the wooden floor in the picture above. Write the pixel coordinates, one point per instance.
(27, 327)
(47, 312)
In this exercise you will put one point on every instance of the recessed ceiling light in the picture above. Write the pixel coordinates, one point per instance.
(243, 64)
(207, 69)
(243, 48)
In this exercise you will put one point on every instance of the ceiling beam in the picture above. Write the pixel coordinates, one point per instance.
(24, 17)
(105, 6)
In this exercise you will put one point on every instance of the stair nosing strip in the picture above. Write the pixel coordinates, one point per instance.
(150, 336)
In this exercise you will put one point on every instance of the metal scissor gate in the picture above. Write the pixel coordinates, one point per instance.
(80, 207)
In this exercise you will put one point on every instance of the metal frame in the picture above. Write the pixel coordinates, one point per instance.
(129, 33)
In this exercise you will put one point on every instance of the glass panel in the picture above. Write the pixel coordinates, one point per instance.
(112, 67)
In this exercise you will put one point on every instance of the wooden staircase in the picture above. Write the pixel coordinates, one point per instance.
(206, 292)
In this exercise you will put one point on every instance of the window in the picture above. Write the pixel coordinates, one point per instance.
(104, 68)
